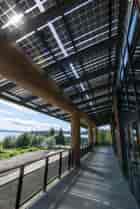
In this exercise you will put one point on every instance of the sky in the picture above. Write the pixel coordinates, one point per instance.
(15, 117)
(19, 118)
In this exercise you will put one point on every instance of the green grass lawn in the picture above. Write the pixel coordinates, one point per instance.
(8, 153)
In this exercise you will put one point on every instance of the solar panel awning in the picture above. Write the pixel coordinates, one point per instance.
(73, 43)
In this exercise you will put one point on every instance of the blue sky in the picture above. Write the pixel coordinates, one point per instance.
(15, 117)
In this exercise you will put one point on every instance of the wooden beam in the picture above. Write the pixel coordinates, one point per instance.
(15, 66)
(117, 128)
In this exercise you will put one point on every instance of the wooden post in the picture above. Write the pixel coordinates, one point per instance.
(96, 136)
(138, 132)
(17, 67)
(75, 132)
(90, 135)
(117, 129)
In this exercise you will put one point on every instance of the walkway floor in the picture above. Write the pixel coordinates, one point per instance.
(97, 185)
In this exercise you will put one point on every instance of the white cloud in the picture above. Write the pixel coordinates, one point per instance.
(17, 107)
(29, 124)
(6, 112)
(16, 117)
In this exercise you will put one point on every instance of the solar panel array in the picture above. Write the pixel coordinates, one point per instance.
(72, 42)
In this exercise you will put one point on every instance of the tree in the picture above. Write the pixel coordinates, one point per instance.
(108, 136)
(50, 142)
(1, 146)
(24, 140)
(104, 137)
(37, 141)
(9, 142)
(60, 139)
(51, 132)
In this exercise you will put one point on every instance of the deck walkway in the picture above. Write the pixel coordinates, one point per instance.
(99, 184)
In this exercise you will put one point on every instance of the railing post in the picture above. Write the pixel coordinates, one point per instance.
(60, 165)
(19, 189)
(45, 175)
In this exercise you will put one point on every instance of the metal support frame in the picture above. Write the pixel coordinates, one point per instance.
(75, 130)
(110, 47)
(67, 25)
(43, 39)
(130, 64)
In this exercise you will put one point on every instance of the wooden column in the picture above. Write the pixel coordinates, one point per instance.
(75, 132)
(138, 132)
(113, 137)
(90, 135)
(94, 135)
(117, 128)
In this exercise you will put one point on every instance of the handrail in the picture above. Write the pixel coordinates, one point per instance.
(59, 172)
(36, 160)
(30, 162)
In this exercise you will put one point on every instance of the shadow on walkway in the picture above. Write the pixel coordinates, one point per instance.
(91, 187)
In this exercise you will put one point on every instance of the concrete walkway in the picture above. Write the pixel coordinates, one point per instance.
(99, 184)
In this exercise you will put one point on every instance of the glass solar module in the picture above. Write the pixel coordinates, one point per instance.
(73, 50)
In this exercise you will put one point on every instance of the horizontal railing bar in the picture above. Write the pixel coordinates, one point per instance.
(36, 160)
(31, 162)
(68, 154)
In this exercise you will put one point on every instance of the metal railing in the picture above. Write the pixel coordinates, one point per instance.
(134, 179)
(20, 183)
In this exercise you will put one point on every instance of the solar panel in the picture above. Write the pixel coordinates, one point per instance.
(69, 41)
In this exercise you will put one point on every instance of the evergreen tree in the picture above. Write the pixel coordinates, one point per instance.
(60, 139)
(9, 142)
(51, 132)
(24, 140)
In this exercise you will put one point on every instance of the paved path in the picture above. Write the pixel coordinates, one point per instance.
(99, 184)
